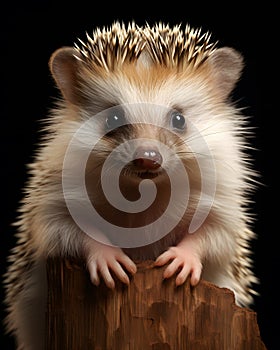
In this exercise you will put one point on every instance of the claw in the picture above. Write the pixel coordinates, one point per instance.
(103, 260)
(184, 261)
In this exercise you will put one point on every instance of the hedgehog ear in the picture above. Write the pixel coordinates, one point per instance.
(226, 65)
(64, 65)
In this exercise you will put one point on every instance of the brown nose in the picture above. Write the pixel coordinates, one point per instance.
(147, 159)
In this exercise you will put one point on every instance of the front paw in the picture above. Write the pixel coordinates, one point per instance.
(185, 261)
(103, 260)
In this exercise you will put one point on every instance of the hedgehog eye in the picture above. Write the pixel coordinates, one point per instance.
(178, 121)
(115, 118)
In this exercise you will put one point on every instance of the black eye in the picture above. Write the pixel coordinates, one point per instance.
(178, 121)
(115, 118)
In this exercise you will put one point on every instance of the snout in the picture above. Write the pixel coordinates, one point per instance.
(147, 158)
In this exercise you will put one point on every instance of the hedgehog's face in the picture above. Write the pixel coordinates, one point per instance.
(154, 111)
(148, 94)
(145, 121)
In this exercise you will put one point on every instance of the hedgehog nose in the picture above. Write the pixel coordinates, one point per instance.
(147, 158)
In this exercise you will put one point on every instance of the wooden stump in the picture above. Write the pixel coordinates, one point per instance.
(148, 314)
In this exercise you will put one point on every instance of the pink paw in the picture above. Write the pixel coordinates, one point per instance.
(183, 260)
(103, 260)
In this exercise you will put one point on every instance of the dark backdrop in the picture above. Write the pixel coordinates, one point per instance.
(32, 30)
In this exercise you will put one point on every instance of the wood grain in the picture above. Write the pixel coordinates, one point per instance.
(150, 313)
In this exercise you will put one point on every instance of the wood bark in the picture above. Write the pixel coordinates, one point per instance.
(150, 313)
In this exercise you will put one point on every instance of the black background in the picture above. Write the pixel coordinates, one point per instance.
(32, 30)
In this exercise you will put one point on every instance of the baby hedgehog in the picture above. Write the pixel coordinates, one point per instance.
(143, 157)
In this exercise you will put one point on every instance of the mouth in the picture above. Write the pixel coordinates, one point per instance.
(147, 174)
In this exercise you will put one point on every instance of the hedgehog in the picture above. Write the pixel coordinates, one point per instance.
(143, 156)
